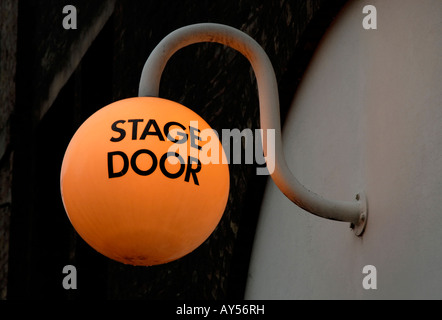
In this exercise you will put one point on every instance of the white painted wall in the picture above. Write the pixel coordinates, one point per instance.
(368, 116)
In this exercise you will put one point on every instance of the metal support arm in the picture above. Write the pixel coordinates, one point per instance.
(354, 212)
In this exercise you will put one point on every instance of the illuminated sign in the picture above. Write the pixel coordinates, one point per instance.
(134, 186)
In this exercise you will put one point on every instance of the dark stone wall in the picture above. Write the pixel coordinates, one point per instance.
(8, 49)
(214, 81)
(46, 49)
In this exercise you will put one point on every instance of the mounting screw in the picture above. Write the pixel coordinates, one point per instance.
(359, 227)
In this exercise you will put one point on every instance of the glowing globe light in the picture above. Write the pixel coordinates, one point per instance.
(134, 184)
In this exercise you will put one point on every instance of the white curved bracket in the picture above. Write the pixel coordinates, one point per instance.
(354, 212)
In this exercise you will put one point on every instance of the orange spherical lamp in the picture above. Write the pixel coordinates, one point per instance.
(135, 185)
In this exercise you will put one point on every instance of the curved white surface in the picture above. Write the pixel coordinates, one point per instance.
(368, 116)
